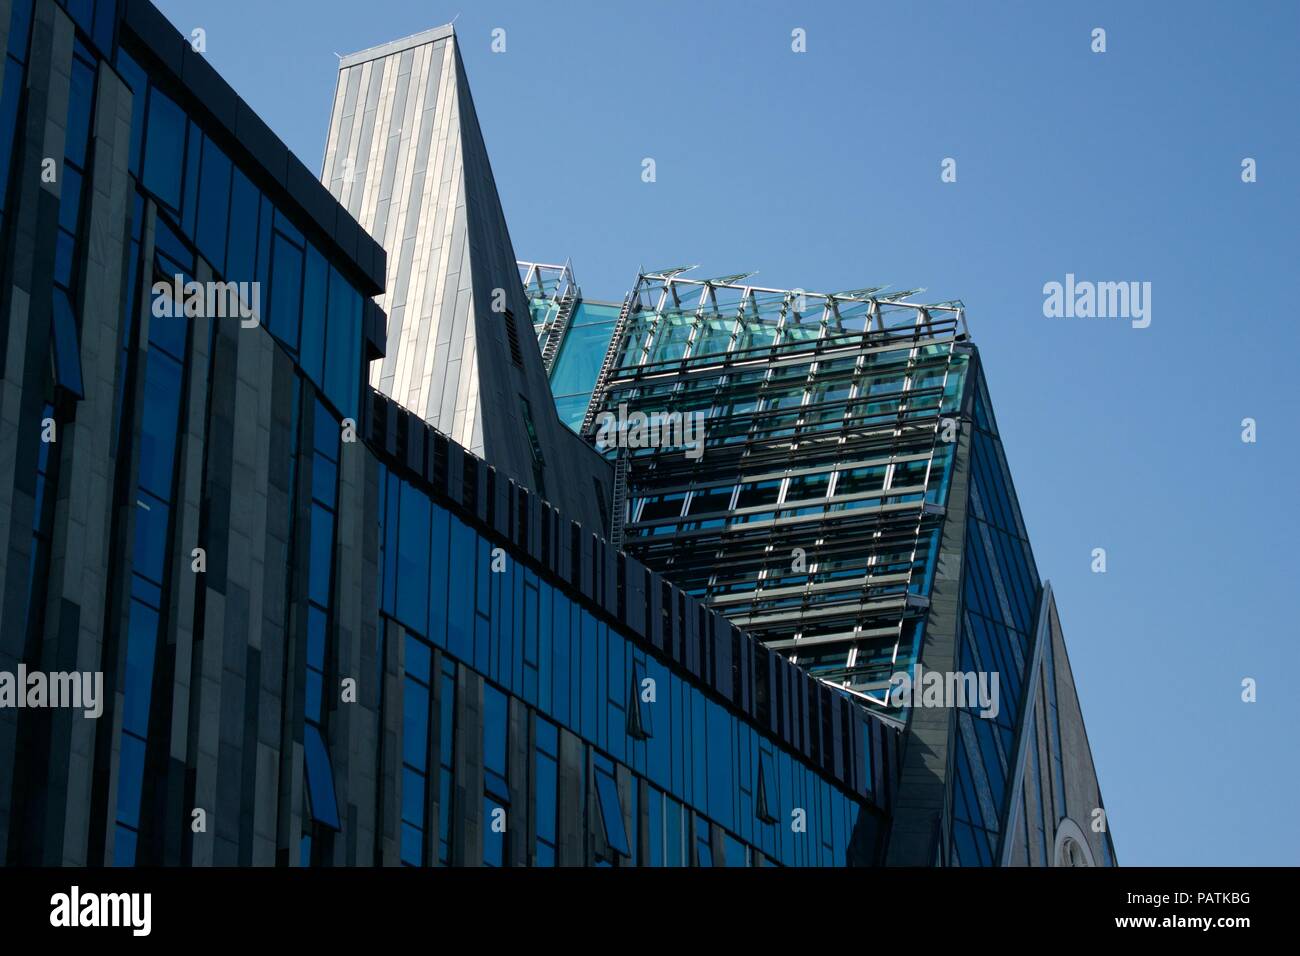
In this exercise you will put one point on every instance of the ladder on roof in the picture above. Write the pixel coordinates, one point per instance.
(619, 509)
(564, 312)
(607, 365)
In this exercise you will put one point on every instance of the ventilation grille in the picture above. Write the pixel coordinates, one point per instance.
(512, 336)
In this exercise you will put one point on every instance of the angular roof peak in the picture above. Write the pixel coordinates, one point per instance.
(432, 35)
(406, 157)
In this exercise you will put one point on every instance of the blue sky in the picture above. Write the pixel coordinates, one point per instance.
(822, 170)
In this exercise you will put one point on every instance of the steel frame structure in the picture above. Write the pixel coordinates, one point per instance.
(553, 292)
(812, 519)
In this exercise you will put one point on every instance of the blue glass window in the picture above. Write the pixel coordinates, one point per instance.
(415, 725)
(162, 390)
(241, 246)
(320, 779)
(325, 434)
(703, 848)
(494, 832)
(172, 247)
(67, 354)
(105, 15)
(13, 89)
(150, 555)
(322, 552)
(765, 795)
(20, 23)
(545, 783)
(131, 776)
(311, 347)
(81, 99)
(324, 480)
(413, 558)
(135, 79)
(734, 850)
(494, 742)
(214, 206)
(286, 291)
(70, 200)
(142, 637)
(83, 12)
(611, 810)
(673, 833)
(164, 149)
(343, 345)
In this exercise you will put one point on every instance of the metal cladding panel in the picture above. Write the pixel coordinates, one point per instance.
(405, 155)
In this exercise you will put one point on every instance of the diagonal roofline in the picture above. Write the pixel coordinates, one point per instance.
(432, 35)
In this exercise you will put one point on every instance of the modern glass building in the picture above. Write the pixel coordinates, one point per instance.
(327, 633)
(852, 508)
(299, 503)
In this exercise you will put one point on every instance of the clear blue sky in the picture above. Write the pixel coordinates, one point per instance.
(821, 170)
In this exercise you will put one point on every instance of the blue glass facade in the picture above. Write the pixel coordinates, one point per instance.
(537, 645)
(340, 639)
(307, 302)
(577, 362)
(1000, 606)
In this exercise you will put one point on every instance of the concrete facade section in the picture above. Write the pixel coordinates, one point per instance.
(406, 157)
(915, 836)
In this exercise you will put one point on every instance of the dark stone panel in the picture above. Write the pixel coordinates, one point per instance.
(572, 850)
(374, 328)
(347, 232)
(436, 465)
(388, 823)
(208, 87)
(415, 441)
(720, 658)
(224, 817)
(148, 23)
(307, 190)
(535, 516)
(455, 472)
(519, 828)
(635, 602)
(501, 498)
(837, 737)
(253, 133)
(467, 806)
(654, 611)
(747, 654)
(609, 577)
(248, 766)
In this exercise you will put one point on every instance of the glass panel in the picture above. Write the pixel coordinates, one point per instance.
(312, 344)
(70, 200)
(322, 550)
(164, 149)
(611, 812)
(415, 726)
(67, 354)
(413, 559)
(214, 206)
(320, 779)
(286, 291)
(494, 741)
(81, 98)
(142, 638)
(162, 386)
(241, 245)
(343, 345)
